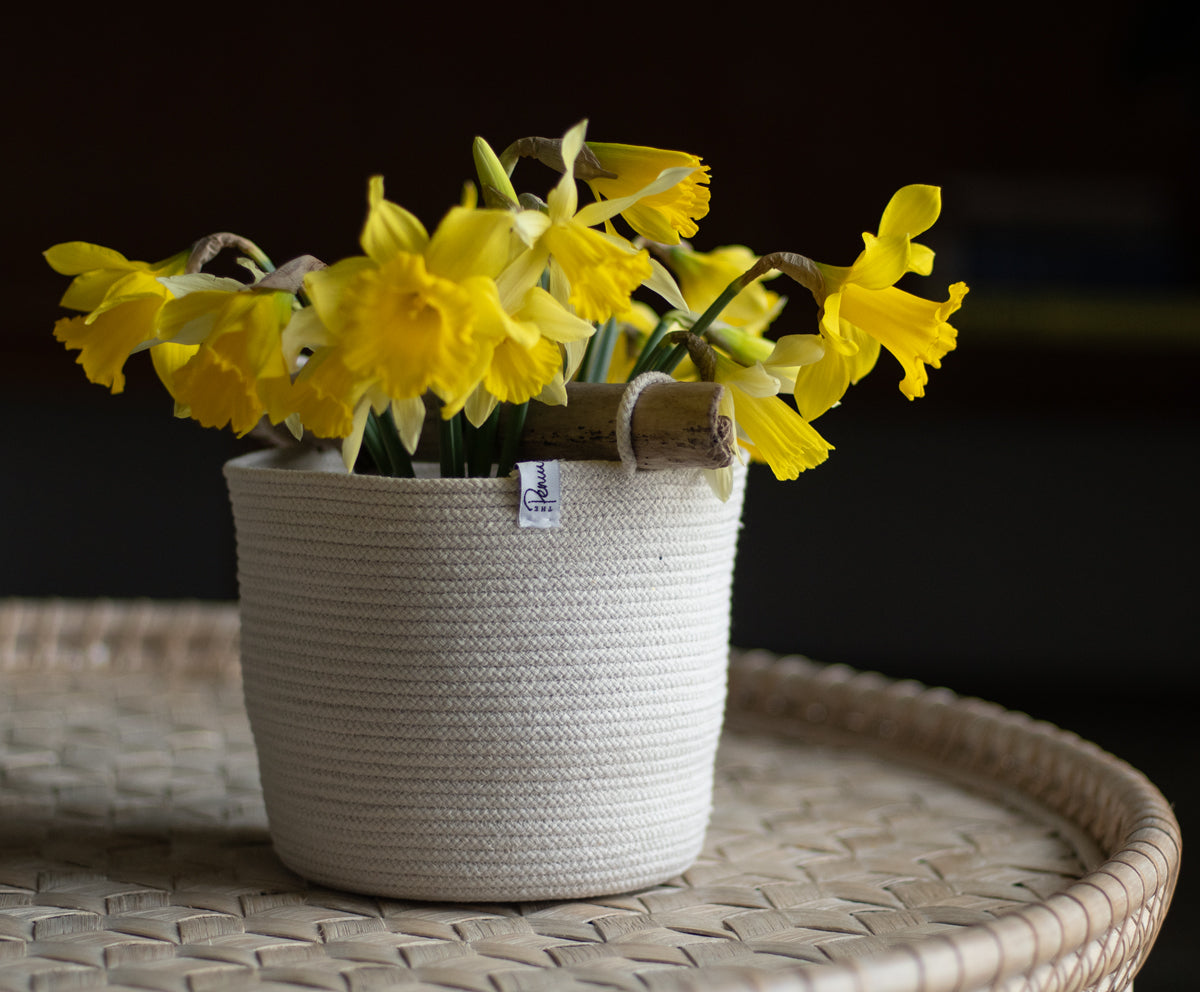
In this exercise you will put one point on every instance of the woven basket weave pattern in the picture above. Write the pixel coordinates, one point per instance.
(868, 835)
(476, 710)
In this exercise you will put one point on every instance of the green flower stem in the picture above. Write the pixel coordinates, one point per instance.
(704, 322)
(452, 446)
(677, 355)
(652, 342)
(598, 356)
(481, 445)
(514, 425)
(717, 305)
(657, 361)
(400, 461)
(373, 442)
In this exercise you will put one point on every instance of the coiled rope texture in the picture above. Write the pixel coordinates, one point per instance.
(448, 706)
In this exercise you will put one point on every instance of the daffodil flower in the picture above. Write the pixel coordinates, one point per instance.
(422, 312)
(237, 372)
(528, 362)
(767, 427)
(595, 271)
(413, 313)
(862, 308)
(703, 276)
(122, 300)
(661, 217)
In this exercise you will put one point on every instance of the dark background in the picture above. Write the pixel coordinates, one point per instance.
(1026, 532)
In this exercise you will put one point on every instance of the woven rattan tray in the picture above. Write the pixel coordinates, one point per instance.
(869, 835)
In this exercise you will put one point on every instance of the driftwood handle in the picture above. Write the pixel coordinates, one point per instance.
(674, 425)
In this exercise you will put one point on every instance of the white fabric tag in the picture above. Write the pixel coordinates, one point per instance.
(541, 495)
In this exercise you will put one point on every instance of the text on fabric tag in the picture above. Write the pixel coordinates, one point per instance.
(541, 494)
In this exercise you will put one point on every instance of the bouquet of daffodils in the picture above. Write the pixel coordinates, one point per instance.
(511, 298)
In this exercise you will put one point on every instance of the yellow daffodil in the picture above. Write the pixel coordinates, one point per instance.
(663, 216)
(862, 308)
(703, 276)
(415, 313)
(122, 300)
(528, 358)
(237, 373)
(595, 271)
(767, 426)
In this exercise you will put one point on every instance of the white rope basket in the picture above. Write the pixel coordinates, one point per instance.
(449, 706)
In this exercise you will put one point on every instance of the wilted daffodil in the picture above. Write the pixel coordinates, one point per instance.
(660, 217)
(122, 300)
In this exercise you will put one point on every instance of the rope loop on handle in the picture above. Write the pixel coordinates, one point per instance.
(624, 425)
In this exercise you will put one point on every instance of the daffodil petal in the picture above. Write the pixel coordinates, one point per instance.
(911, 211)
(389, 228)
(920, 259)
(882, 262)
(601, 210)
(663, 283)
(74, 257)
(720, 481)
(551, 319)
(517, 374)
(753, 380)
(529, 225)
(479, 406)
(564, 198)
(796, 349)
(409, 416)
(520, 275)
(469, 243)
(326, 287)
(193, 282)
(304, 331)
(352, 443)
(168, 358)
(554, 393)
(820, 386)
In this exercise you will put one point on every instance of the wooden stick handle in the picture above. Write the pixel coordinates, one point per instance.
(674, 425)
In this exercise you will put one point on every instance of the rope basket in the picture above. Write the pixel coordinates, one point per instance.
(475, 710)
